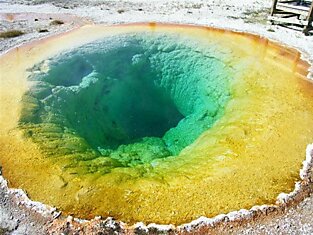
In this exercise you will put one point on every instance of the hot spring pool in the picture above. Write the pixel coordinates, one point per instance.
(154, 123)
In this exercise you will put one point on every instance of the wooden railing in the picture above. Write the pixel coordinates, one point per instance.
(297, 12)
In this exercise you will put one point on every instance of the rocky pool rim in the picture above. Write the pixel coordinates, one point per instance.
(284, 201)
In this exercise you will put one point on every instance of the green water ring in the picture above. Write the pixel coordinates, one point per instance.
(126, 99)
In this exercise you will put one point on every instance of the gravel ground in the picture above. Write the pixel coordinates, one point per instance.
(297, 220)
(233, 14)
(15, 219)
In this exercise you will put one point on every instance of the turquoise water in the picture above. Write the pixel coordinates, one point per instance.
(129, 99)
